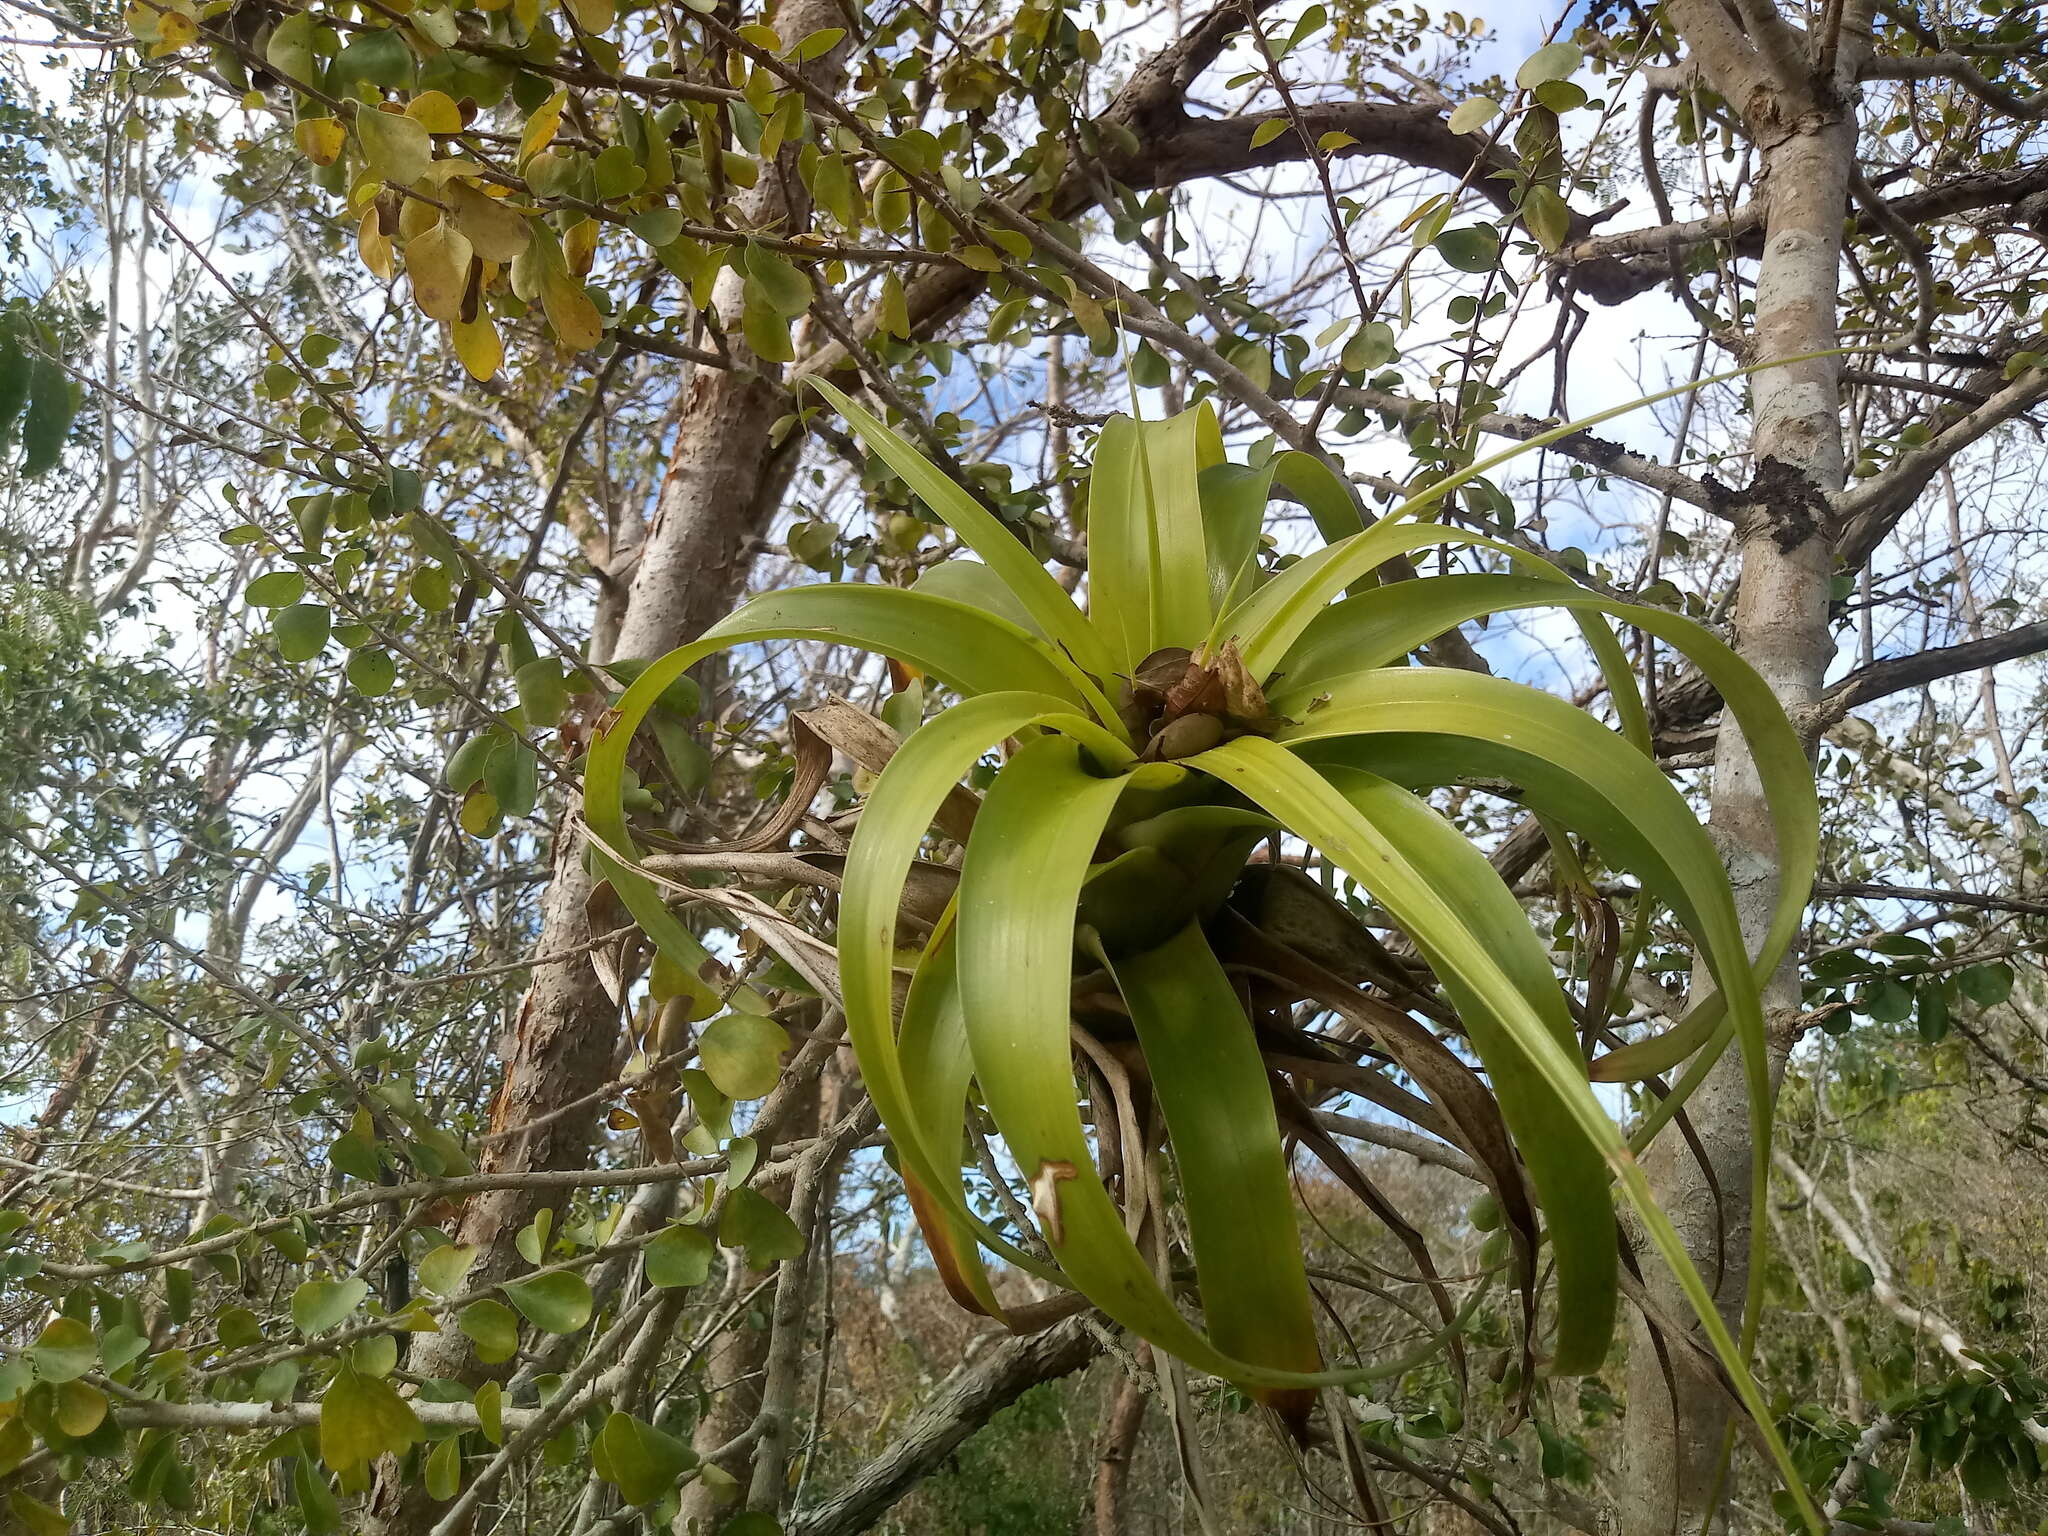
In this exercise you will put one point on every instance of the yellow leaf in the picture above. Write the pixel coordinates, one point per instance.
(453, 168)
(176, 31)
(363, 191)
(479, 813)
(579, 246)
(570, 312)
(320, 139)
(892, 314)
(1546, 216)
(397, 147)
(362, 1418)
(979, 257)
(496, 231)
(374, 245)
(477, 344)
(80, 1408)
(438, 264)
(540, 128)
(436, 111)
(415, 217)
(591, 15)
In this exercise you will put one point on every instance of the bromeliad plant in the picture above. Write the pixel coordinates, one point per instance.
(1200, 705)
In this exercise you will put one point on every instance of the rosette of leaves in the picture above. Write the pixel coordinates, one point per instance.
(1199, 705)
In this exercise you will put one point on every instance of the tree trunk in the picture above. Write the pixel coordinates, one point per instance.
(1677, 1424)
(1119, 1447)
(724, 482)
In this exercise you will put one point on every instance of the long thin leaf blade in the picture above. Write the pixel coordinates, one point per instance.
(1147, 547)
(892, 827)
(1448, 725)
(1233, 514)
(962, 646)
(980, 530)
(1570, 1176)
(1211, 1084)
(1273, 777)
(972, 583)
(1172, 455)
(1267, 623)
(937, 1068)
(1381, 626)
(1119, 546)
(1571, 768)
(1299, 592)
(969, 648)
(1032, 845)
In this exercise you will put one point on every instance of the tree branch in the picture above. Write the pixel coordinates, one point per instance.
(960, 1408)
(1868, 512)
(1895, 674)
(1603, 454)
(1688, 705)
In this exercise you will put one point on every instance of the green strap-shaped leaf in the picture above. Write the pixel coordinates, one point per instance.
(1267, 623)
(983, 533)
(969, 648)
(1433, 725)
(937, 1068)
(1119, 546)
(1273, 777)
(1298, 593)
(1570, 1177)
(1570, 768)
(892, 826)
(1147, 551)
(1381, 626)
(1331, 503)
(1233, 514)
(961, 646)
(1029, 854)
(1372, 617)
(1425, 726)
(1211, 1084)
(972, 583)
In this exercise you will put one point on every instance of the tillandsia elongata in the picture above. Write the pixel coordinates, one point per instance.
(1197, 706)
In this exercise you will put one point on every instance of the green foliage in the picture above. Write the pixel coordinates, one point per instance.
(1186, 651)
(572, 208)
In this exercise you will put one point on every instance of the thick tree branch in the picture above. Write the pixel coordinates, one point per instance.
(1868, 512)
(974, 1396)
(1874, 891)
(1172, 147)
(1604, 269)
(1895, 674)
(1687, 706)
(1960, 69)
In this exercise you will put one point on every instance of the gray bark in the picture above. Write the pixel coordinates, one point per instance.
(1676, 1426)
